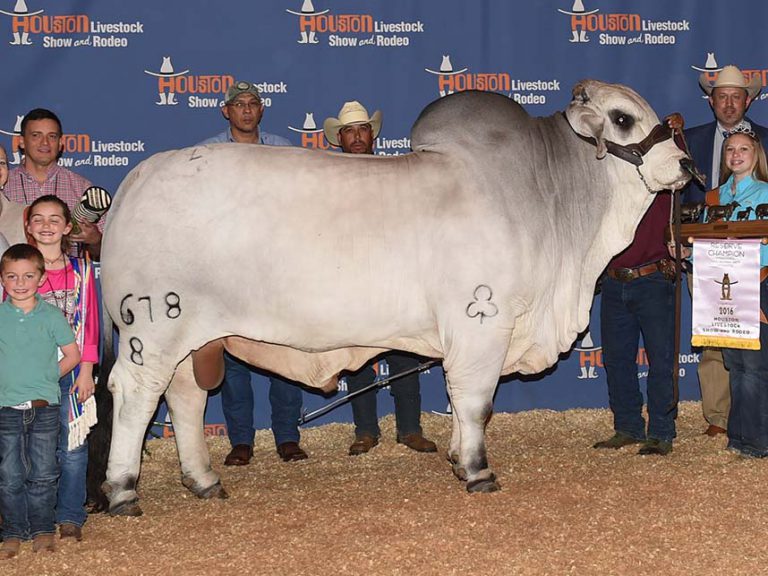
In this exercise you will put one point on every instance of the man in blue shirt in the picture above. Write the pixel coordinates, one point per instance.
(244, 108)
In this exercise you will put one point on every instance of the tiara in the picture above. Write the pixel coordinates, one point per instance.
(741, 129)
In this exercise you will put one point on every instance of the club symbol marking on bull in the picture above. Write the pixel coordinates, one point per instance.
(482, 306)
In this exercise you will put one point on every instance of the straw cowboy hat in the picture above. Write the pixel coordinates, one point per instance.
(351, 113)
(731, 77)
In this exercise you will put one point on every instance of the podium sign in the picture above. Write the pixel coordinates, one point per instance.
(726, 293)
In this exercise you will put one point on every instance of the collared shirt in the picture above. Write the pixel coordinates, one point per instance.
(65, 184)
(29, 365)
(717, 148)
(264, 138)
(748, 192)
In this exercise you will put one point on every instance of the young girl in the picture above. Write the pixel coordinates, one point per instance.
(70, 286)
(744, 177)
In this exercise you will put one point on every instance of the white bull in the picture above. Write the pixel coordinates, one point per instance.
(482, 247)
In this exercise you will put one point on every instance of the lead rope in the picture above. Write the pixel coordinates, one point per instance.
(675, 222)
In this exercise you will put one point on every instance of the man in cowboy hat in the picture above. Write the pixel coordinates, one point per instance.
(729, 96)
(244, 108)
(354, 131)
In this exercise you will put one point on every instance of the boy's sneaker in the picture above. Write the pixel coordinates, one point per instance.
(10, 548)
(43, 543)
(67, 530)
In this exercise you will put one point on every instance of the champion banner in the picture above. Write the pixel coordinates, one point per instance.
(131, 79)
(726, 294)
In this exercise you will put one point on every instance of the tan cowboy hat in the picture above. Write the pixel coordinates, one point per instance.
(351, 113)
(731, 77)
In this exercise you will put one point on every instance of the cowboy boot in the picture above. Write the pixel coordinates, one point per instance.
(162, 99)
(304, 39)
(575, 36)
(16, 39)
(312, 39)
(172, 99)
(25, 39)
(583, 36)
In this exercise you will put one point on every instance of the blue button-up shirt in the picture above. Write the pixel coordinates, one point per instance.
(264, 138)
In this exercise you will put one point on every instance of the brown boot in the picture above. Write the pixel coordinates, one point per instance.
(240, 455)
(10, 548)
(416, 441)
(43, 543)
(363, 444)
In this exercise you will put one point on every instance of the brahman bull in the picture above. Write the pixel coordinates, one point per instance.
(492, 234)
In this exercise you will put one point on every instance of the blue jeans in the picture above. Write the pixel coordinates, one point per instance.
(28, 471)
(237, 404)
(748, 375)
(404, 390)
(70, 500)
(645, 305)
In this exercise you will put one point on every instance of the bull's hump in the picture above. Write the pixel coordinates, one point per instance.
(468, 118)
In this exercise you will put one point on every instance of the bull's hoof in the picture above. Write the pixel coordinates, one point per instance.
(215, 491)
(126, 509)
(483, 485)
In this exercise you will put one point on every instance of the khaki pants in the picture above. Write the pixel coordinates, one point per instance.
(714, 384)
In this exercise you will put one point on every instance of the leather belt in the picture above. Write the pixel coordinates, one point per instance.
(39, 403)
(629, 274)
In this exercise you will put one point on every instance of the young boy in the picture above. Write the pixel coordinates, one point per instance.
(31, 332)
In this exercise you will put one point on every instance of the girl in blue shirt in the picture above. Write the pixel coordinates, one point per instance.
(744, 179)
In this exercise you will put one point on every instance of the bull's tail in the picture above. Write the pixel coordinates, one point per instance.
(100, 437)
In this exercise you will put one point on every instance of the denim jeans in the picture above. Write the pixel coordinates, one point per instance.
(644, 305)
(28, 471)
(237, 404)
(748, 375)
(404, 390)
(70, 499)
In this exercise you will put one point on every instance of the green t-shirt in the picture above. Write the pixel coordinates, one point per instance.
(29, 362)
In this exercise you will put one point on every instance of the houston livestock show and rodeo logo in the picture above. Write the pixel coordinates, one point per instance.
(80, 149)
(620, 29)
(351, 30)
(37, 27)
(522, 91)
(202, 90)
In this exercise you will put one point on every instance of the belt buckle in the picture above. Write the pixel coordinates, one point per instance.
(624, 274)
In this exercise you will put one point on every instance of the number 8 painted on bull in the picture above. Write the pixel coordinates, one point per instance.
(175, 305)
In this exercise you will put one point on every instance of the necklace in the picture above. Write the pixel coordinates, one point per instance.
(52, 262)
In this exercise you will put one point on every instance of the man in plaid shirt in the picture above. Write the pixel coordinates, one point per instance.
(40, 174)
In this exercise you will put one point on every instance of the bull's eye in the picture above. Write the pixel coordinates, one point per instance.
(622, 120)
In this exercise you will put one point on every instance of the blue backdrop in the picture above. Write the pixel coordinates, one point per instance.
(133, 78)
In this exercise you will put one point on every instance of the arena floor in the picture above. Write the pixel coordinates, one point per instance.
(564, 508)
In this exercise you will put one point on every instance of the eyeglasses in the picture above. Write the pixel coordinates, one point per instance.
(241, 105)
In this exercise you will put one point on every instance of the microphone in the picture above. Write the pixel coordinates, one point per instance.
(94, 202)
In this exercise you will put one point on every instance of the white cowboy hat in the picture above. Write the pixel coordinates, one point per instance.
(309, 126)
(307, 9)
(731, 77)
(578, 9)
(710, 65)
(20, 9)
(351, 113)
(446, 68)
(166, 70)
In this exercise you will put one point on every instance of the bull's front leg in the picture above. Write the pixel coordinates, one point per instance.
(186, 404)
(135, 395)
(471, 376)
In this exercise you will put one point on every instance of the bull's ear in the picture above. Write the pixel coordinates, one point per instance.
(593, 126)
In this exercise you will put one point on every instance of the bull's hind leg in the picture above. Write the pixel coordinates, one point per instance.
(471, 376)
(135, 396)
(186, 404)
